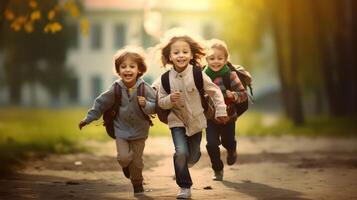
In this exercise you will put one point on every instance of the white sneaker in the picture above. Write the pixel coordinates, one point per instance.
(184, 193)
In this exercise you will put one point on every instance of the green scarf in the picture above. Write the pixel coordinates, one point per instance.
(213, 75)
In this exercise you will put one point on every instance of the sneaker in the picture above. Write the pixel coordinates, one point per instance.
(231, 157)
(184, 193)
(218, 175)
(126, 172)
(138, 190)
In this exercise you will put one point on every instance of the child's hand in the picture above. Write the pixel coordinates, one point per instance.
(81, 124)
(229, 94)
(175, 96)
(222, 119)
(142, 101)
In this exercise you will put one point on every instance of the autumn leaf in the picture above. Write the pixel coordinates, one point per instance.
(15, 26)
(53, 27)
(29, 27)
(9, 15)
(74, 11)
(18, 22)
(84, 26)
(33, 4)
(51, 14)
(35, 15)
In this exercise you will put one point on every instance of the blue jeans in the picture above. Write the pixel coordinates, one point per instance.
(187, 151)
(217, 134)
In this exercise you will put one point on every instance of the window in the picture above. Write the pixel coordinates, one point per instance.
(146, 39)
(96, 36)
(96, 85)
(119, 36)
(73, 89)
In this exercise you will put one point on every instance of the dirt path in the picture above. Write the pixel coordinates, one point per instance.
(267, 168)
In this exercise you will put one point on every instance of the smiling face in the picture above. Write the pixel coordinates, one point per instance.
(128, 71)
(180, 55)
(217, 59)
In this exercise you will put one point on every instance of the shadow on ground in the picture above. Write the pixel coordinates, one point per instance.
(264, 192)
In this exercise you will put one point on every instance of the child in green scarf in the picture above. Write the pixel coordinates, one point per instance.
(216, 133)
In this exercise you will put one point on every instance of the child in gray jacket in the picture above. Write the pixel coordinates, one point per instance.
(131, 128)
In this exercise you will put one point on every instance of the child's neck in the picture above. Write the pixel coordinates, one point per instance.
(129, 85)
(180, 69)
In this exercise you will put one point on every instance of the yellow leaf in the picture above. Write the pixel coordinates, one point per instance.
(68, 5)
(28, 27)
(16, 26)
(75, 11)
(84, 24)
(56, 27)
(35, 15)
(21, 19)
(33, 4)
(46, 29)
(9, 15)
(51, 14)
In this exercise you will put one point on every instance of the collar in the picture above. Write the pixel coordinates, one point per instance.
(183, 73)
(121, 83)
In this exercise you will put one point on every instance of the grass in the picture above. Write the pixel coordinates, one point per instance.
(27, 131)
(263, 124)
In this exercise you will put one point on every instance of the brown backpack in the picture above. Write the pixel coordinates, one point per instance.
(206, 101)
(110, 114)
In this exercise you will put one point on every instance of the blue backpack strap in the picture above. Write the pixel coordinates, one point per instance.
(165, 82)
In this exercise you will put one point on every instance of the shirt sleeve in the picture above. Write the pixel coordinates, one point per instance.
(164, 99)
(215, 93)
(102, 103)
(150, 100)
(239, 92)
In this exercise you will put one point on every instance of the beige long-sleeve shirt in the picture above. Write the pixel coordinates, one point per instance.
(188, 111)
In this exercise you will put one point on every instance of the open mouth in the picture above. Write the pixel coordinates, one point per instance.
(128, 75)
(181, 62)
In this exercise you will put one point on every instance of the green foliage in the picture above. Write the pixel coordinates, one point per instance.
(27, 131)
(263, 124)
(242, 25)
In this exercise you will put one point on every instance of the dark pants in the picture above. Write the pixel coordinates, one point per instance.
(217, 134)
(187, 151)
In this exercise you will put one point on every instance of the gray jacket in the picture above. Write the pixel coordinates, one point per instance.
(130, 123)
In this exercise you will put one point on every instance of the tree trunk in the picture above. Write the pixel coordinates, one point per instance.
(278, 35)
(296, 105)
(326, 44)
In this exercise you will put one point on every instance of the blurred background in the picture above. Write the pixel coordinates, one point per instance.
(56, 57)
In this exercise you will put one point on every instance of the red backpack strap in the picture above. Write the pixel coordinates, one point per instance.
(141, 92)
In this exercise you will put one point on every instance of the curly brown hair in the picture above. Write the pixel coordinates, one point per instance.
(198, 51)
(137, 57)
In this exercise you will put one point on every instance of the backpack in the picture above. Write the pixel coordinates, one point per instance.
(246, 80)
(110, 114)
(206, 101)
